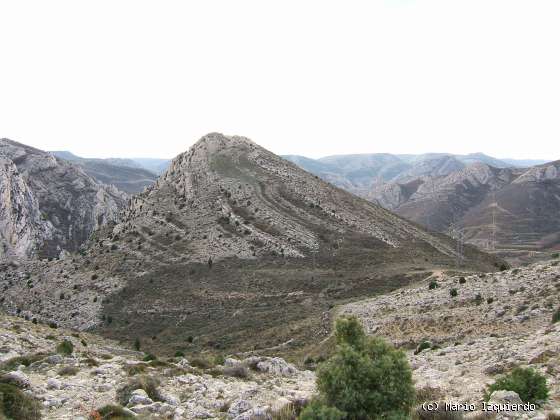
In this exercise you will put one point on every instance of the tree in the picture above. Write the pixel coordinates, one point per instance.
(529, 384)
(367, 378)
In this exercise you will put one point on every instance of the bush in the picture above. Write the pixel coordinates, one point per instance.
(148, 357)
(15, 404)
(237, 371)
(65, 347)
(68, 371)
(478, 299)
(433, 285)
(453, 293)
(366, 378)
(147, 383)
(555, 255)
(489, 300)
(556, 316)
(179, 353)
(529, 384)
(462, 280)
(317, 410)
(424, 345)
(110, 412)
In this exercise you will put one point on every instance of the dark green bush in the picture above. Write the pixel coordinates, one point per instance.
(179, 353)
(424, 345)
(433, 285)
(366, 378)
(65, 347)
(453, 292)
(478, 299)
(462, 280)
(529, 384)
(317, 410)
(490, 300)
(17, 405)
(149, 357)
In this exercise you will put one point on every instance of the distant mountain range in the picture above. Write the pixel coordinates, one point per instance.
(128, 175)
(490, 202)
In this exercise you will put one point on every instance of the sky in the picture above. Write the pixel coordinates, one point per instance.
(135, 78)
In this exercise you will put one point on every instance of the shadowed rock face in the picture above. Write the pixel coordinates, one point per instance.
(237, 247)
(49, 205)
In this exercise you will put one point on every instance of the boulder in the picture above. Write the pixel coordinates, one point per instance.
(17, 378)
(276, 366)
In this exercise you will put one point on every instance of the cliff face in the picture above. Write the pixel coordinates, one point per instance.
(49, 205)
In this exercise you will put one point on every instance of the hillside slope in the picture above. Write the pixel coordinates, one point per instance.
(237, 247)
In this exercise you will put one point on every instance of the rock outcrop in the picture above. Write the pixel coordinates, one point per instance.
(49, 205)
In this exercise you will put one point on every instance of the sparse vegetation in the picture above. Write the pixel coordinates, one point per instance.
(237, 371)
(110, 412)
(424, 345)
(556, 316)
(17, 405)
(147, 383)
(453, 292)
(529, 384)
(433, 285)
(65, 347)
(68, 371)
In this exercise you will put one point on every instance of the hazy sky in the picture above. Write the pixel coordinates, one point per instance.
(148, 78)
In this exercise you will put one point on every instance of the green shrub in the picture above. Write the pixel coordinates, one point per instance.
(366, 378)
(453, 292)
(529, 384)
(556, 316)
(17, 405)
(65, 347)
(478, 299)
(555, 255)
(489, 300)
(424, 345)
(147, 383)
(433, 285)
(179, 353)
(26, 360)
(137, 344)
(149, 357)
(317, 410)
(462, 280)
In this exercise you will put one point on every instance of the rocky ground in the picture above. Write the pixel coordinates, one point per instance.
(74, 386)
(496, 321)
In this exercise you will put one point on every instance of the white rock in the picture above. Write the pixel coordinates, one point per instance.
(238, 407)
(276, 366)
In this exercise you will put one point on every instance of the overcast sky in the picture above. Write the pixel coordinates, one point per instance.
(148, 78)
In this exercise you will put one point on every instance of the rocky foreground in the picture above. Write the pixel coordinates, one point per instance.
(457, 345)
(99, 373)
(497, 321)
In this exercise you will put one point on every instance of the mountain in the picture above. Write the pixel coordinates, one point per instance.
(359, 173)
(233, 248)
(125, 174)
(527, 202)
(524, 163)
(48, 205)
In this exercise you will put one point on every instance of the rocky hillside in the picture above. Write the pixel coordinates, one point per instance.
(75, 381)
(456, 346)
(48, 205)
(495, 322)
(232, 248)
(125, 174)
